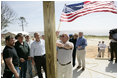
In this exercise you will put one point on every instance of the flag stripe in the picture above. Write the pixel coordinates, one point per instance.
(66, 20)
(92, 4)
(86, 2)
(68, 17)
(88, 7)
(90, 11)
(73, 11)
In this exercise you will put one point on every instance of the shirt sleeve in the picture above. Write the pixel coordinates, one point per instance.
(8, 54)
(72, 45)
(99, 45)
(44, 43)
(28, 49)
(84, 43)
(32, 50)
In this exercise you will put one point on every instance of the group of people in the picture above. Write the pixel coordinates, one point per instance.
(66, 54)
(20, 55)
(112, 48)
(101, 49)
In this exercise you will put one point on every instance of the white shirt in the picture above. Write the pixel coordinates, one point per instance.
(64, 56)
(37, 48)
(102, 46)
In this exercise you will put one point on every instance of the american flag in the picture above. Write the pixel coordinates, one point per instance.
(73, 11)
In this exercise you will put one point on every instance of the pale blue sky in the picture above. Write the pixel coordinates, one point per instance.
(95, 23)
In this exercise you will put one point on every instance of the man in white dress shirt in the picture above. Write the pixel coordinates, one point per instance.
(37, 52)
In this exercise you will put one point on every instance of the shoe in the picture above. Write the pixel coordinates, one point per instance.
(115, 61)
(31, 76)
(73, 65)
(78, 67)
(83, 69)
(110, 60)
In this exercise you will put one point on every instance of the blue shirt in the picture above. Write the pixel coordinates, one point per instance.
(81, 41)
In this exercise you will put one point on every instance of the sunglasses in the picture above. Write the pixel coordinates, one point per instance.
(62, 36)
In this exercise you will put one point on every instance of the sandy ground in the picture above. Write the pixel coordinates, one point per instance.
(92, 48)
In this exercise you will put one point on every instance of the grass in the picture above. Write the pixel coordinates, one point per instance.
(94, 36)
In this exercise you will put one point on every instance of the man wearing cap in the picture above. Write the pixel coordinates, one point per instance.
(23, 51)
(64, 57)
(29, 62)
(11, 59)
(80, 51)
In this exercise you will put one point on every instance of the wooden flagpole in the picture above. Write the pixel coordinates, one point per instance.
(59, 25)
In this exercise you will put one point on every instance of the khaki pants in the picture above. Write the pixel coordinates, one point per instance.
(99, 55)
(101, 51)
(81, 57)
(64, 71)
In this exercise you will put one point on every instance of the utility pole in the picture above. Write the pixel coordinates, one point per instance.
(23, 22)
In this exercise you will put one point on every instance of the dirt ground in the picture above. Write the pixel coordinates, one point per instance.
(92, 48)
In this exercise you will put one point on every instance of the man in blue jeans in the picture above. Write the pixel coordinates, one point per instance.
(29, 62)
(23, 50)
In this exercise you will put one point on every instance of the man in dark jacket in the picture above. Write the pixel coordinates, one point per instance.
(73, 40)
(113, 44)
(23, 50)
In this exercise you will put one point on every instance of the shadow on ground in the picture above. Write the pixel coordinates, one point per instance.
(112, 67)
(77, 73)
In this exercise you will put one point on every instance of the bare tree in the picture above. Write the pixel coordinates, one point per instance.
(23, 22)
(7, 16)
